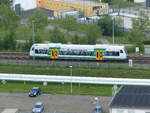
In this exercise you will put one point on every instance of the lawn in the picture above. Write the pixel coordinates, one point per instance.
(60, 88)
(118, 72)
(56, 88)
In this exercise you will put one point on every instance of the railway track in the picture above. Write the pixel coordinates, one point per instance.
(24, 56)
(14, 55)
(141, 59)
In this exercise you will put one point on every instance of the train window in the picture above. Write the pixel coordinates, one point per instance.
(32, 48)
(111, 53)
(36, 51)
(41, 51)
(114, 53)
(108, 53)
(77, 52)
(121, 51)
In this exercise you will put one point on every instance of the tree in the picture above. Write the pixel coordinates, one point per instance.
(120, 4)
(8, 18)
(140, 26)
(39, 19)
(9, 42)
(57, 37)
(6, 2)
(106, 24)
(76, 39)
(107, 1)
(93, 32)
(1, 44)
(69, 22)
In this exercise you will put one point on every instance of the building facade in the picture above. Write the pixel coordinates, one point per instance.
(139, 1)
(25, 4)
(87, 8)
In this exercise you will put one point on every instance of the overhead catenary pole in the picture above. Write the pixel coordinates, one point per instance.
(33, 36)
(113, 29)
(71, 79)
(33, 32)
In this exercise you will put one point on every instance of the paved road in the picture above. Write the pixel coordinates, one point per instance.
(53, 103)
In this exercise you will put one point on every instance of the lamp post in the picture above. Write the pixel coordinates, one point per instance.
(33, 32)
(71, 79)
(97, 103)
(33, 36)
(113, 29)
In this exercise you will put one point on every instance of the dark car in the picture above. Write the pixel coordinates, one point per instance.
(97, 109)
(38, 107)
(35, 91)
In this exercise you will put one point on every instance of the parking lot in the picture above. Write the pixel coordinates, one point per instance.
(52, 103)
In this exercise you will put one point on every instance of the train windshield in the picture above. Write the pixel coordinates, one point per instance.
(32, 49)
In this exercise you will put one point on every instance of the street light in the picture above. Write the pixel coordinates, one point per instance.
(33, 37)
(113, 30)
(33, 32)
(97, 103)
(71, 79)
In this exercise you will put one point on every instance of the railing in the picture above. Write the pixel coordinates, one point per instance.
(73, 79)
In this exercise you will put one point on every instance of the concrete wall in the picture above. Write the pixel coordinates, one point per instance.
(117, 110)
(139, 1)
(26, 4)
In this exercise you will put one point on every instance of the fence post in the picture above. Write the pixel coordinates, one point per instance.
(130, 63)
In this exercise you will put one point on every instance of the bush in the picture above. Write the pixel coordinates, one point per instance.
(147, 42)
(130, 49)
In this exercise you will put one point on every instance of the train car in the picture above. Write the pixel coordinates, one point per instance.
(79, 52)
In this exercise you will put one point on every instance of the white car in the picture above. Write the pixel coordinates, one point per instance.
(38, 107)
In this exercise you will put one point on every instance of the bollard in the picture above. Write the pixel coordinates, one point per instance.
(130, 63)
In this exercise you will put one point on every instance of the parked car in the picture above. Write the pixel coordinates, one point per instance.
(35, 91)
(38, 107)
(97, 109)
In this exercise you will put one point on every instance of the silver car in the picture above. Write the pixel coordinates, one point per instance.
(38, 107)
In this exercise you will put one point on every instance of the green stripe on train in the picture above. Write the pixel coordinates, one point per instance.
(65, 57)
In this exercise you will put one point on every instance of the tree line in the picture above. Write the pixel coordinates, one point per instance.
(10, 22)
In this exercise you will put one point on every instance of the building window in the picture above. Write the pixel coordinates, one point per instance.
(131, 111)
(119, 111)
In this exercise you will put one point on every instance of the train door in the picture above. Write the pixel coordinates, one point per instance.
(99, 54)
(54, 54)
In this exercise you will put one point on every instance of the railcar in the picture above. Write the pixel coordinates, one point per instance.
(80, 52)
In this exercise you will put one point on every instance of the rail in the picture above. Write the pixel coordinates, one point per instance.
(73, 79)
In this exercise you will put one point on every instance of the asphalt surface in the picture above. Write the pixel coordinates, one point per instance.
(52, 103)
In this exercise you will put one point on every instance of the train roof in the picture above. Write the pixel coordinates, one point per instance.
(79, 46)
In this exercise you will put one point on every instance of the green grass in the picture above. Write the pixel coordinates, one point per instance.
(72, 26)
(56, 88)
(118, 72)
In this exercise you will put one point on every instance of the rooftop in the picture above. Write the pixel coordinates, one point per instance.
(81, 2)
(132, 97)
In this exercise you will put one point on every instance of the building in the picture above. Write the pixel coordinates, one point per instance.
(139, 1)
(65, 13)
(87, 8)
(25, 4)
(131, 99)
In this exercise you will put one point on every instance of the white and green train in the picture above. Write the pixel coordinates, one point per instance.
(78, 52)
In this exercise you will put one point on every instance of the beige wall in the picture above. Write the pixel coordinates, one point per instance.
(57, 5)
